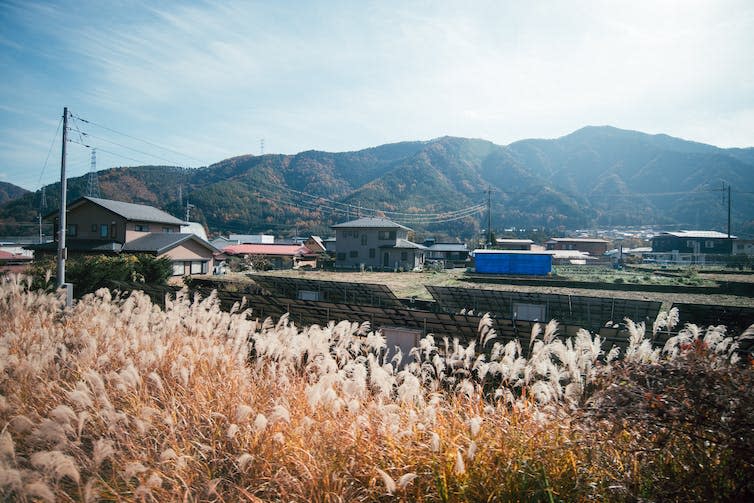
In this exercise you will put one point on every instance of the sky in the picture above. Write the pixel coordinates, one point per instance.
(193, 83)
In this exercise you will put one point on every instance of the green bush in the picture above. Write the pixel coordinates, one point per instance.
(90, 273)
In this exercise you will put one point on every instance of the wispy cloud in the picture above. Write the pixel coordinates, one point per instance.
(212, 79)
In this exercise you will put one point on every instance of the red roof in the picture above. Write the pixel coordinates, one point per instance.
(267, 249)
(4, 255)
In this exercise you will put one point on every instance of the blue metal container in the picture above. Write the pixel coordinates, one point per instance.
(520, 263)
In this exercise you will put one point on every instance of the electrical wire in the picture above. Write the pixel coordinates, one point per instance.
(136, 138)
(89, 135)
(99, 149)
(49, 151)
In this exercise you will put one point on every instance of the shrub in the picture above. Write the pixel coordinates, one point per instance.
(685, 421)
(89, 273)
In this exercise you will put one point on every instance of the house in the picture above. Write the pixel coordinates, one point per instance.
(449, 254)
(104, 226)
(593, 246)
(316, 244)
(743, 247)
(513, 244)
(275, 256)
(694, 242)
(378, 243)
(222, 242)
(256, 239)
(195, 228)
(11, 262)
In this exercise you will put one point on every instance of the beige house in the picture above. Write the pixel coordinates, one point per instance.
(95, 226)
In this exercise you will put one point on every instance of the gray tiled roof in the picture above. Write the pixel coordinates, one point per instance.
(80, 245)
(448, 247)
(159, 242)
(371, 223)
(405, 244)
(136, 212)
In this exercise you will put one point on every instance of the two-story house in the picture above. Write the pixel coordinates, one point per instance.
(694, 242)
(593, 246)
(377, 243)
(97, 226)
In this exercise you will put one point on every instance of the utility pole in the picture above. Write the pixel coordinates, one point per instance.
(62, 229)
(489, 216)
(728, 211)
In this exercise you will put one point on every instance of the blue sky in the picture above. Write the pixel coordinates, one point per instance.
(208, 80)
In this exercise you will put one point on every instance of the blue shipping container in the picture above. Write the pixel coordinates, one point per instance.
(502, 262)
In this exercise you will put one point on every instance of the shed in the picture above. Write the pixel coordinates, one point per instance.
(516, 262)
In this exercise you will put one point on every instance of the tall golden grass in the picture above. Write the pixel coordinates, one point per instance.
(116, 399)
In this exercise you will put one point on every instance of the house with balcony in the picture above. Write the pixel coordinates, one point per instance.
(693, 242)
(104, 226)
(376, 243)
(691, 247)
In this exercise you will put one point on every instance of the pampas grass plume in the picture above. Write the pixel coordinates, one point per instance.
(390, 485)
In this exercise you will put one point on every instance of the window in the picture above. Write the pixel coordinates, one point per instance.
(178, 269)
(104, 230)
(310, 295)
(386, 235)
(94, 227)
(689, 243)
(529, 312)
(341, 256)
(113, 230)
(72, 229)
(709, 244)
(141, 227)
(197, 267)
(363, 240)
(353, 253)
(371, 253)
(167, 229)
(404, 256)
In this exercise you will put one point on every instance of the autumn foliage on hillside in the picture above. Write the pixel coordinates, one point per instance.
(118, 399)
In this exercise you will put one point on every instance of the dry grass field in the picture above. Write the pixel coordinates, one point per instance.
(116, 399)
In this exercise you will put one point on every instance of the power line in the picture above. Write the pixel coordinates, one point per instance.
(417, 218)
(49, 151)
(107, 151)
(398, 214)
(312, 202)
(137, 139)
(89, 135)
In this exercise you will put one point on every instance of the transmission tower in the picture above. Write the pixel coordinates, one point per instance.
(43, 201)
(261, 146)
(92, 189)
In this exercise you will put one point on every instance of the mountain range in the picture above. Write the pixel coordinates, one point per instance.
(595, 177)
